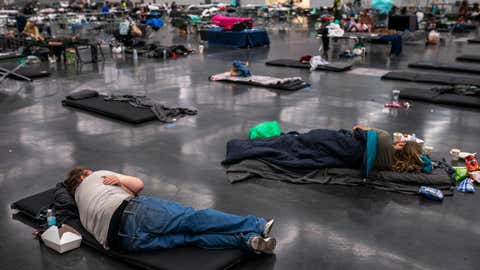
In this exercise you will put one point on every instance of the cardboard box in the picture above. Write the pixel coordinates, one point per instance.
(62, 239)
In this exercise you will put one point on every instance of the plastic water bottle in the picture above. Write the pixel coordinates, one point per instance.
(164, 54)
(395, 95)
(431, 193)
(135, 54)
(51, 220)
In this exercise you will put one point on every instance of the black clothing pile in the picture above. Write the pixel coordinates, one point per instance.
(155, 50)
(163, 113)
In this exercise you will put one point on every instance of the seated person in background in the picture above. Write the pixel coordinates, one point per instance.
(31, 31)
(463, 11)
(365, 21)
(476, 11)
(58, 45)
(10, 34)
(112, 211)
(106, 8)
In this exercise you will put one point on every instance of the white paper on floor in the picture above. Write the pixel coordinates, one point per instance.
(464, 39)
(369, 71)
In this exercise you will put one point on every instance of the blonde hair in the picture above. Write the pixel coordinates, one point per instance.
(408, 158)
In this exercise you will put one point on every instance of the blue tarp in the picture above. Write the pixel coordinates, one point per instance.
(155, 23)
(395, 41)
(242, 39)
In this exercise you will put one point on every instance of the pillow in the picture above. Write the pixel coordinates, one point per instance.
(82, 94)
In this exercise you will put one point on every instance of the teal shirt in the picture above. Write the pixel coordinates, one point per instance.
(427, 165)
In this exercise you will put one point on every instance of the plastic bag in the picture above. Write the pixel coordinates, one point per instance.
(265, 130)
(431, 193)
(460, 173)
(466, 186)
(136, 32)
(316, 61)
(334, 30)
(124, 27)
(383, 6)
(433, 37)
(475, 176)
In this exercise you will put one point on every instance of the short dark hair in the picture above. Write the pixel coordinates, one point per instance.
(73, 178)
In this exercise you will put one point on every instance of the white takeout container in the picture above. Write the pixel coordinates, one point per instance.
(410, 138)
(463, 155)
(62, 239)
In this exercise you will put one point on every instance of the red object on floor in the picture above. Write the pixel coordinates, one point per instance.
(471, 163)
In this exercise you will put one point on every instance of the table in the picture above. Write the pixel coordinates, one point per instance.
(243, 39)
(395, 40)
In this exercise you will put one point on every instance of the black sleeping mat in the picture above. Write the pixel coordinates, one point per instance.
(428, 95)
(10, 56)
(406, 183)
(166, 259)
(446, 67)
(297, 64)
(474, 40)
(117, 110)
(431, 78)
(30, 71)
(469, 58)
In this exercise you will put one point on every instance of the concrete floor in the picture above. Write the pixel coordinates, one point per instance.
(317, 227)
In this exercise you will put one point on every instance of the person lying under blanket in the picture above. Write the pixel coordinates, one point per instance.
(362, 148)
(112, 210)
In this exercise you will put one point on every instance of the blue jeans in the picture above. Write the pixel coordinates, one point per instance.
(150, 223)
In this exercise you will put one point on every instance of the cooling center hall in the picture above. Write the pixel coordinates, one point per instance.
(243, 134)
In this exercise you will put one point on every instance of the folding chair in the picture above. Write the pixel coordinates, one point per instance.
(94, 50)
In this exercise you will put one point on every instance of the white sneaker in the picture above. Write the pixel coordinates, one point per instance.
(268, 228)
(263, 245)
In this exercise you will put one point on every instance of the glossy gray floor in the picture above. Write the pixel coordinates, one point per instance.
(317, 227)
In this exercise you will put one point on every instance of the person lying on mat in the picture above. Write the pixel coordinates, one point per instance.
(112, 210)
(362, 148)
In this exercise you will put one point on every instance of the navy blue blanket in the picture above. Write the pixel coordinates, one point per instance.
(319, 148)
(396, 42)
(243, 39)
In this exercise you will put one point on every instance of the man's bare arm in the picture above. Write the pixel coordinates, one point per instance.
(130, 184)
